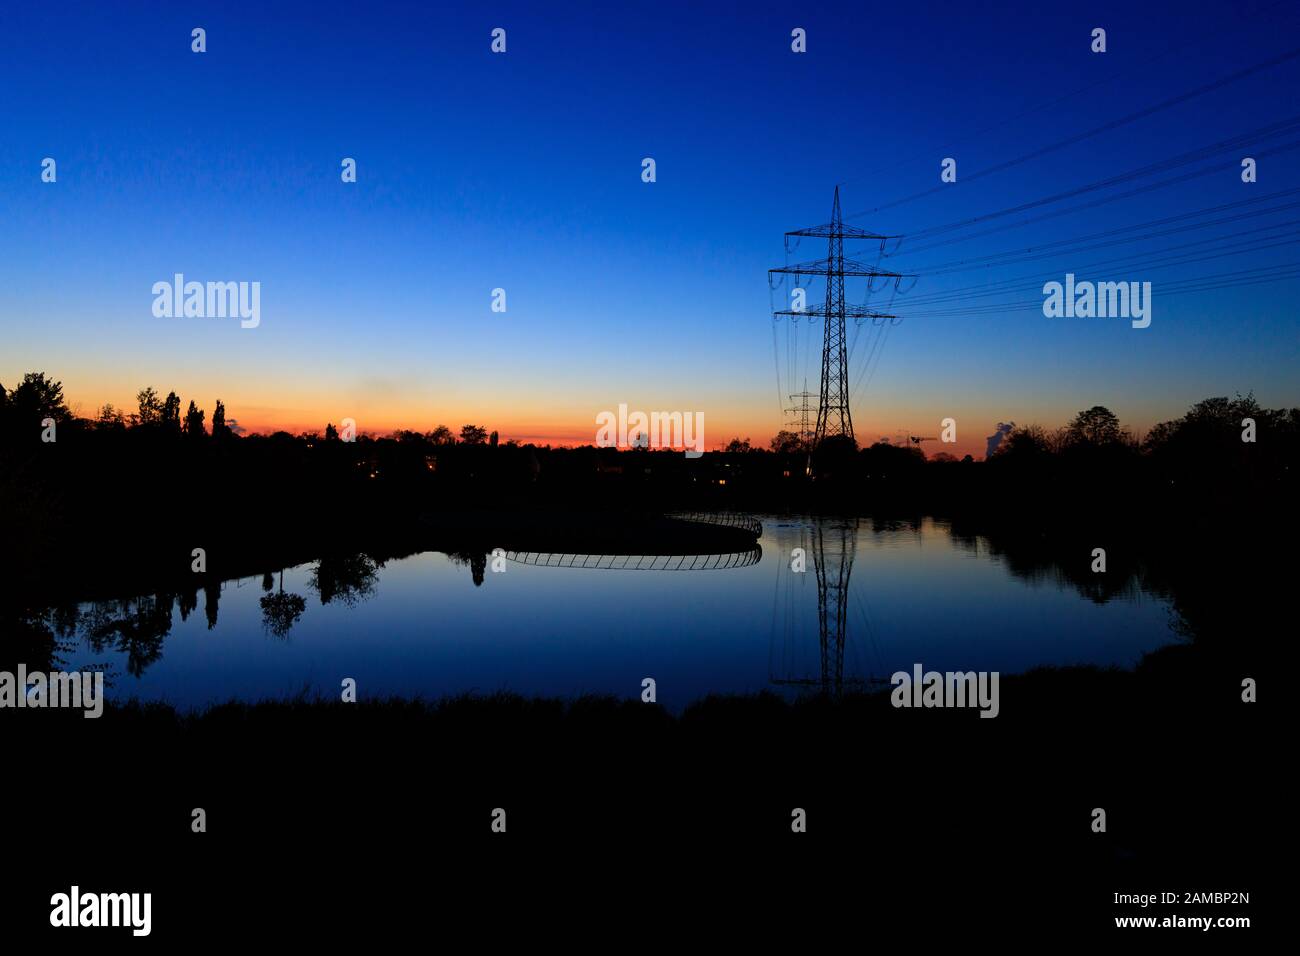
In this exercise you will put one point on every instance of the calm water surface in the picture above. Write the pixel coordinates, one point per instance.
(422, 626)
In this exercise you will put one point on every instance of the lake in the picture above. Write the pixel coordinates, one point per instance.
(432, 624)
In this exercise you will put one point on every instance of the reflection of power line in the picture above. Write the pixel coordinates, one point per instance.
(878, 660)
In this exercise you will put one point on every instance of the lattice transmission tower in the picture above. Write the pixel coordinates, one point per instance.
(804, 420)
(833, 414)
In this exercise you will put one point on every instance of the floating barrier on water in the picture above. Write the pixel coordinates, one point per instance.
(638, 562)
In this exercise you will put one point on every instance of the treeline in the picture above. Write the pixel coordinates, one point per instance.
(127, 498)
(1224, 453)
(165, 464)
(1215, 435)
(1221, 446)
(38, 403)
(27, 412)
(1221, 429)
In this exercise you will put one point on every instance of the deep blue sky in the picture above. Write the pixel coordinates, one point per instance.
(523, 171)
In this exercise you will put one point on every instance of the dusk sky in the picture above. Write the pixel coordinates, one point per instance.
(523, 171)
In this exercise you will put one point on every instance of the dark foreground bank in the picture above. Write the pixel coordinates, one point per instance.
(345, 818)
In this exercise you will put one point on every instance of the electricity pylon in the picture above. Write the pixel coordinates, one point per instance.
(803, 410)
(833, 414)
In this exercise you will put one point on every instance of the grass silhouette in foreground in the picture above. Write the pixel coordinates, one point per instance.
(1155, 746)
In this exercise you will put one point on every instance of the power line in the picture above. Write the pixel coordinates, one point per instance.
(835, 267)
(1031, 254)
(1216, 37)
(1127, 262)
(1184, 159)
(1088, 134)
(1200, 284)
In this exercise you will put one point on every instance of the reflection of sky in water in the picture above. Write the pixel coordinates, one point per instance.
(914, 597)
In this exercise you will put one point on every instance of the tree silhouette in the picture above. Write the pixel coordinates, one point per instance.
(110, 417)
(194, 421)
(473, 434)
(835, 454)
(219, 429)
(171, 414)
(35, 399)
(150, 407)
(1095, 426)
(1024, 443)
(786, 442)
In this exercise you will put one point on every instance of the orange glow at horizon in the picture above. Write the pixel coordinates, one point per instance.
(259, 406)
(265, 420)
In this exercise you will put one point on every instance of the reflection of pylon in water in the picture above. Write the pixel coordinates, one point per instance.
(833, 557)
(831, 547)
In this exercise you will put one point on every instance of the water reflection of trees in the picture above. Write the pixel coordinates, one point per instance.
(1065, 561)
(44, 638)
(135, 627)
(30, 637)
(349, 579)
(1032, 555)
(476, 561)
(211, 601)
(281, 610)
